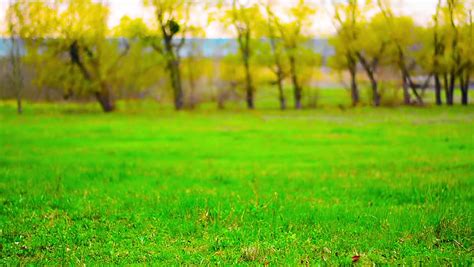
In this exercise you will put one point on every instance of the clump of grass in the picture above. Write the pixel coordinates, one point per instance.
(251, 253)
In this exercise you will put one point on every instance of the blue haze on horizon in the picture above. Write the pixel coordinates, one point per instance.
(211, 47)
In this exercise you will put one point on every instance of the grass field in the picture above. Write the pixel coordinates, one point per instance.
(391, 185)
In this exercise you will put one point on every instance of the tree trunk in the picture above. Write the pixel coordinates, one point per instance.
(104, 97)
(281, 92)
(414, 87)
(409, 84)
(465, 88)
(438, 51)
(465, 97)
(279, 71)
(452, 84)
(175, 76)
(406, 93)
(447, 90)
(439, 101)
(173, 66)
(297, 91)
(376, 96)
(354, 88)
(249, 84)
(405, 75)
(370, 70)
(19, 105)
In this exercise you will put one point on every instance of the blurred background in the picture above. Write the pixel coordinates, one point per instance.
(267, 53)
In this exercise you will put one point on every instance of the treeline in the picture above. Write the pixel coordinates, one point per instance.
(67, 45)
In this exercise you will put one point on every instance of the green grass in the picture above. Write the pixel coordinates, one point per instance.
(149, 185)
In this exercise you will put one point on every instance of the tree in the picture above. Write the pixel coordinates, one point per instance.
(172, 17)
(452, 63)
(294, 37)
(348, 18)
(276, 60)
(245, 19)
(80, 58)
(438, 51)
(370, 51)
(26, 27)
(453, 59)
(406, 43)
(466, 51)
(15, 20)
(84, 25)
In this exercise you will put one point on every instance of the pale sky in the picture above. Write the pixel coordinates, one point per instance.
(420, 10)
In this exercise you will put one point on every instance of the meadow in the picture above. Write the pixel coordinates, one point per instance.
(150, 185)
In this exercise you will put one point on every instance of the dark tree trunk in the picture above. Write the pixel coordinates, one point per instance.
(297, 91)
(454, 53)
(175, 76)
(439, 101)
(105, 99)
(244, 46)
(171, 53)
(370, 69)
(354, 90)
(414, 87)
(279, 69)
(465, 97)
(438, 51)
(249, 90)
(466, 89)
(104, 95)
(375, 92)
(447, 90)
(407, 81)
(173, 66)
(452, 84)
(405, 75)
(353, 73)
(464, 83)
(406, 93)
(281, 93)
(19, 105)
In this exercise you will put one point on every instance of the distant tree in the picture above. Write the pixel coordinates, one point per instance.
(275, 56)
(245, 19)
(405, 48)
(173, 18)
(294, 38)
(84, 27)
(80, 58)
(15, 22)
(466, 52)
(451, 49)
(371, 48)
(348, 17)
(438, 48)
(26, 26)
(453, 43)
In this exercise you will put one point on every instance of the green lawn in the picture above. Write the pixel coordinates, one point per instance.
(391, 185)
